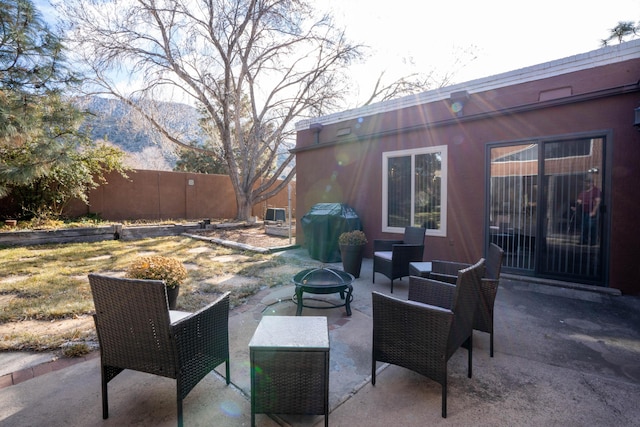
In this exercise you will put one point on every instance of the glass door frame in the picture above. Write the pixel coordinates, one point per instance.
(536, 266)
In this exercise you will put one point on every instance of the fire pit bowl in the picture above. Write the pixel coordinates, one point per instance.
(323, 281)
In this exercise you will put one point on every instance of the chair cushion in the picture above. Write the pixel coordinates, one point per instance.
(383, 254)
(175, 315)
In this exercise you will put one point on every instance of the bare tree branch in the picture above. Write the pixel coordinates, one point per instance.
(253, 67)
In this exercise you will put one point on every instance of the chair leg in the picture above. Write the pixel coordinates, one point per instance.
(391, 285)
(491, 343)
(227, 374)
(373, 371)
(444, 398)
(180, 419)
(105, 399)
(470, 341)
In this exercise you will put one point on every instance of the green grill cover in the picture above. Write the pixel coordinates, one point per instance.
(322, 226)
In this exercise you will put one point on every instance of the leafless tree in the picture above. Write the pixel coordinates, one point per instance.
(410, 84)
(253, 67)
(151, 158)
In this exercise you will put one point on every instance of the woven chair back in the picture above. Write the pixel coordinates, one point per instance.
(494, 262)
(133, 325)
(465, 303)
(413, 236)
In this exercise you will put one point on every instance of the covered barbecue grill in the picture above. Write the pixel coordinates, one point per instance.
(322, 226)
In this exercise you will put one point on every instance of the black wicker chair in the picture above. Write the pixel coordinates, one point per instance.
(446, 271)
(137, 331)
(392, 257)
(422, 333)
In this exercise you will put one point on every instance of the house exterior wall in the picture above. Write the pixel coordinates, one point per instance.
(560, 99)
(162, 195)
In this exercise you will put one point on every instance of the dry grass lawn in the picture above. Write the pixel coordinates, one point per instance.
(45, 300)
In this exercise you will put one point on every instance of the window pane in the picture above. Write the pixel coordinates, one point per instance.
(399, 192)
(513, 203)
(428, 195)
(415, 190)
(574, 229)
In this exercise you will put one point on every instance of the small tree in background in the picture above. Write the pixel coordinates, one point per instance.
(624, 29)
(199, 161)
(44, 160)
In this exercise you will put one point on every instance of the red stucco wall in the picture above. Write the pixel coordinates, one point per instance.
(593, 100)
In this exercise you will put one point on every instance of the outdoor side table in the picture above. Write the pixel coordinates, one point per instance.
(421, 269)
(289, 358)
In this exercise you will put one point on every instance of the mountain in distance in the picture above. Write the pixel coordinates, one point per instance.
(114, 121)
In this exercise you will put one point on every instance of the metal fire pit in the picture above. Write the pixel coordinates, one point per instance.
(323, 281)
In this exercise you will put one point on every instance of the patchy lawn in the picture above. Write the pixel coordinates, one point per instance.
(46, 303)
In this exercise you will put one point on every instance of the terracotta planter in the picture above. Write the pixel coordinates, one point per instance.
(172, 296)
(352, 258)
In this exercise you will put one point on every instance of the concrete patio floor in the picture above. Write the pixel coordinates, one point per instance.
(562, 358)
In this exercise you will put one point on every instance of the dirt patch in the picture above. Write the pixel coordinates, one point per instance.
(79, 327)
(252, 236)
(6, 299)
(230, 281)
(231, 258)
(40, 327)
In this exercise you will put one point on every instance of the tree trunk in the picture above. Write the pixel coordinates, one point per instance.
(244, 206)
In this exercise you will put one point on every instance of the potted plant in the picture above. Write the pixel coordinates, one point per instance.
(169, 270)
(351, 249)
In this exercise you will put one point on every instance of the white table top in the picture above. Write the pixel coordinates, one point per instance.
(425, 265)
(292, 332)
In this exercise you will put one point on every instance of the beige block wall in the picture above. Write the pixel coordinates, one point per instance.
(162, 195)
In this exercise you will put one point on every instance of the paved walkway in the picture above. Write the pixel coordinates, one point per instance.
(562, 358)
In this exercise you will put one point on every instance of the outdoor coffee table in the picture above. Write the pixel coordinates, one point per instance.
(421, 269)
(323, 281)
(289, 357)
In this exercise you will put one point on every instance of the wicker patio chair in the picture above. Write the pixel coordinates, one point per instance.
(136, 330)
(422, 333)
(447, 271)
(392, 257)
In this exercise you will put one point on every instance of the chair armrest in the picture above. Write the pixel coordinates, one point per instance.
(489, 289)
(408, 327)
(204, 332)
(384, 245)
(213, 307)
(436, 310)
(405, 253)
(449, 268)
(447, 278)
(446, 271)
(432, 292)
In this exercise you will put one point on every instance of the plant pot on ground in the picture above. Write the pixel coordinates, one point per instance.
(352, 245)
(169, 270)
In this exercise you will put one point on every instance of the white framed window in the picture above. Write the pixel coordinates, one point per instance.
(414, 190)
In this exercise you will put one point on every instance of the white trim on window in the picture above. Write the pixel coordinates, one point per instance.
(442, 149)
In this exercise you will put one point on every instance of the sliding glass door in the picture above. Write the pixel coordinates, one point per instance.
(546, 207)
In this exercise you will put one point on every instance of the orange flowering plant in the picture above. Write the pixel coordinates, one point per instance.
(157, 267)
(355, 237)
